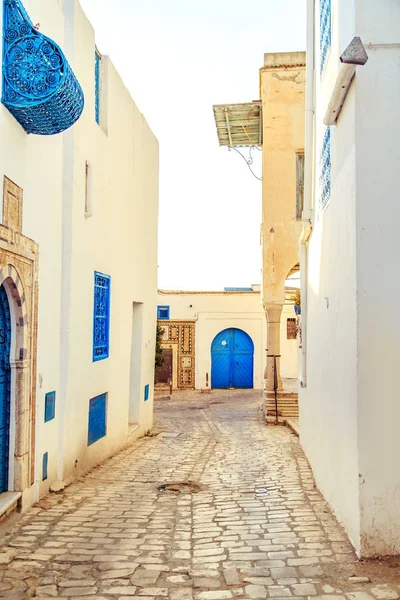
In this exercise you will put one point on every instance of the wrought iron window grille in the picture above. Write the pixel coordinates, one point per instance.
(325, 169)
(325, 26)
(39, 87)
(101, 316)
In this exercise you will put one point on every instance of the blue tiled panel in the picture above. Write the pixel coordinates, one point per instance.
(162, 312)
(97, 86)
(325, 24)
(49, 406)
(101, 316)
(97, 427)
(325, 169)
(146, 392)
(45, 465)
(39, 87)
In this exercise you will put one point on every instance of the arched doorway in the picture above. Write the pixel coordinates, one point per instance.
(232, 360)
(5, 386)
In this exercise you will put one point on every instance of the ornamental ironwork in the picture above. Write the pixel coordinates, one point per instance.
(101, 317)
(325, 28)
(39, 87)
(325, 169)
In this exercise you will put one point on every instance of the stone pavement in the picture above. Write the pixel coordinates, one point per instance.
(258, 527)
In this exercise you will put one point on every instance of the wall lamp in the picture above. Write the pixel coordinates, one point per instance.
(354, 56)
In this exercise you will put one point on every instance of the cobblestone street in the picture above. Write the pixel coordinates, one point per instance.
(255, 528)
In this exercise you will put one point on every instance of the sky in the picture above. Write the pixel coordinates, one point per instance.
(178, 58)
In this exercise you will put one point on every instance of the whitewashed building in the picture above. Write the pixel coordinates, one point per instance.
(78, 253)
(349, 407)
(217, 339)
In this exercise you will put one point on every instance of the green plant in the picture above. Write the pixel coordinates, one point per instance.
(159, 358)
(295, 297)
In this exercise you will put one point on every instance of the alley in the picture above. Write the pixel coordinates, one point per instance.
(255, 526)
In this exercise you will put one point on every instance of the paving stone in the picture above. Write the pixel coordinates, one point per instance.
(385, 592)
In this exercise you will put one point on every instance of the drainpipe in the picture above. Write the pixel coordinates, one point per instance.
(308, 184)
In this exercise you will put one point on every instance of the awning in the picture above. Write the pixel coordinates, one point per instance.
(239, 124)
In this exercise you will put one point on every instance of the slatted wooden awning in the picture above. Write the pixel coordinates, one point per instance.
(239, 124)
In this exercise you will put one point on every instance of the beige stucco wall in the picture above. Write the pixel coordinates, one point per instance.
(118, 239)
(282, 90)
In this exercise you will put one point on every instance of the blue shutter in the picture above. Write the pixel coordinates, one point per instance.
(146, 392)
(45, 465)
(97, 426)
(163, 312)
(325, 27)
(101, 316)
(49, 406)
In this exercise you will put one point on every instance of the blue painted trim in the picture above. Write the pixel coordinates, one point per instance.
(39, 87)
(101, 316)
(238, 289)
(97, 422)
(45, 465)
(97, 60)
(163, 312)
(49, 406)
(146, 392)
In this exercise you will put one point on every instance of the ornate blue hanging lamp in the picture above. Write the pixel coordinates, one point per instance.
(39, 87)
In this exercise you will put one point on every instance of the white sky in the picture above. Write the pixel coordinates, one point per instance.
(178, 58)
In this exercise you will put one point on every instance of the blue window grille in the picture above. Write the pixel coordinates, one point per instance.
(45, 464)
(39, 87)
(325, 169)
(49, 406)
(97, 425)
(146, 392)
(162, 312)
(325, 26)
(97, 59)
(101, 316)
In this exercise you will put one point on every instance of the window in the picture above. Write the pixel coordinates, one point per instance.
(299, 185)
(325, 30)
(146, 392)
(291, 329)
(97, 65)
(325, 169)
(49, 406)
(163, 312)
(45, 464)
(101, 316)
(97, 424)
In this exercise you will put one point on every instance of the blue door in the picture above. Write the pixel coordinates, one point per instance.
(232, 359)
(5, 371)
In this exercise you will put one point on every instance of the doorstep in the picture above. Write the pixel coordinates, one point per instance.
(293, 424)
(8, 503)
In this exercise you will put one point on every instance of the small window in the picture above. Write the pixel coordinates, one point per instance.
(146, 392)
(101, 316)
(325, 169)
(291, 329)
(299, 185)
(45, 464)
(97, 66)
(49, 406)
(163, 312)
(97, 425)
(325, 29)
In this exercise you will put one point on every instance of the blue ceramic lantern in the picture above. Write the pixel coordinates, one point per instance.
(39, 87)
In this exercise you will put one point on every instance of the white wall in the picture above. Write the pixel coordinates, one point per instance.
(378, 216)
(214, 312)
(352, 342)
(119, 239)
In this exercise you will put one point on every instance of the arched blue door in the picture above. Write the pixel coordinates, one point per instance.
(5, 371)
(232, 359)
